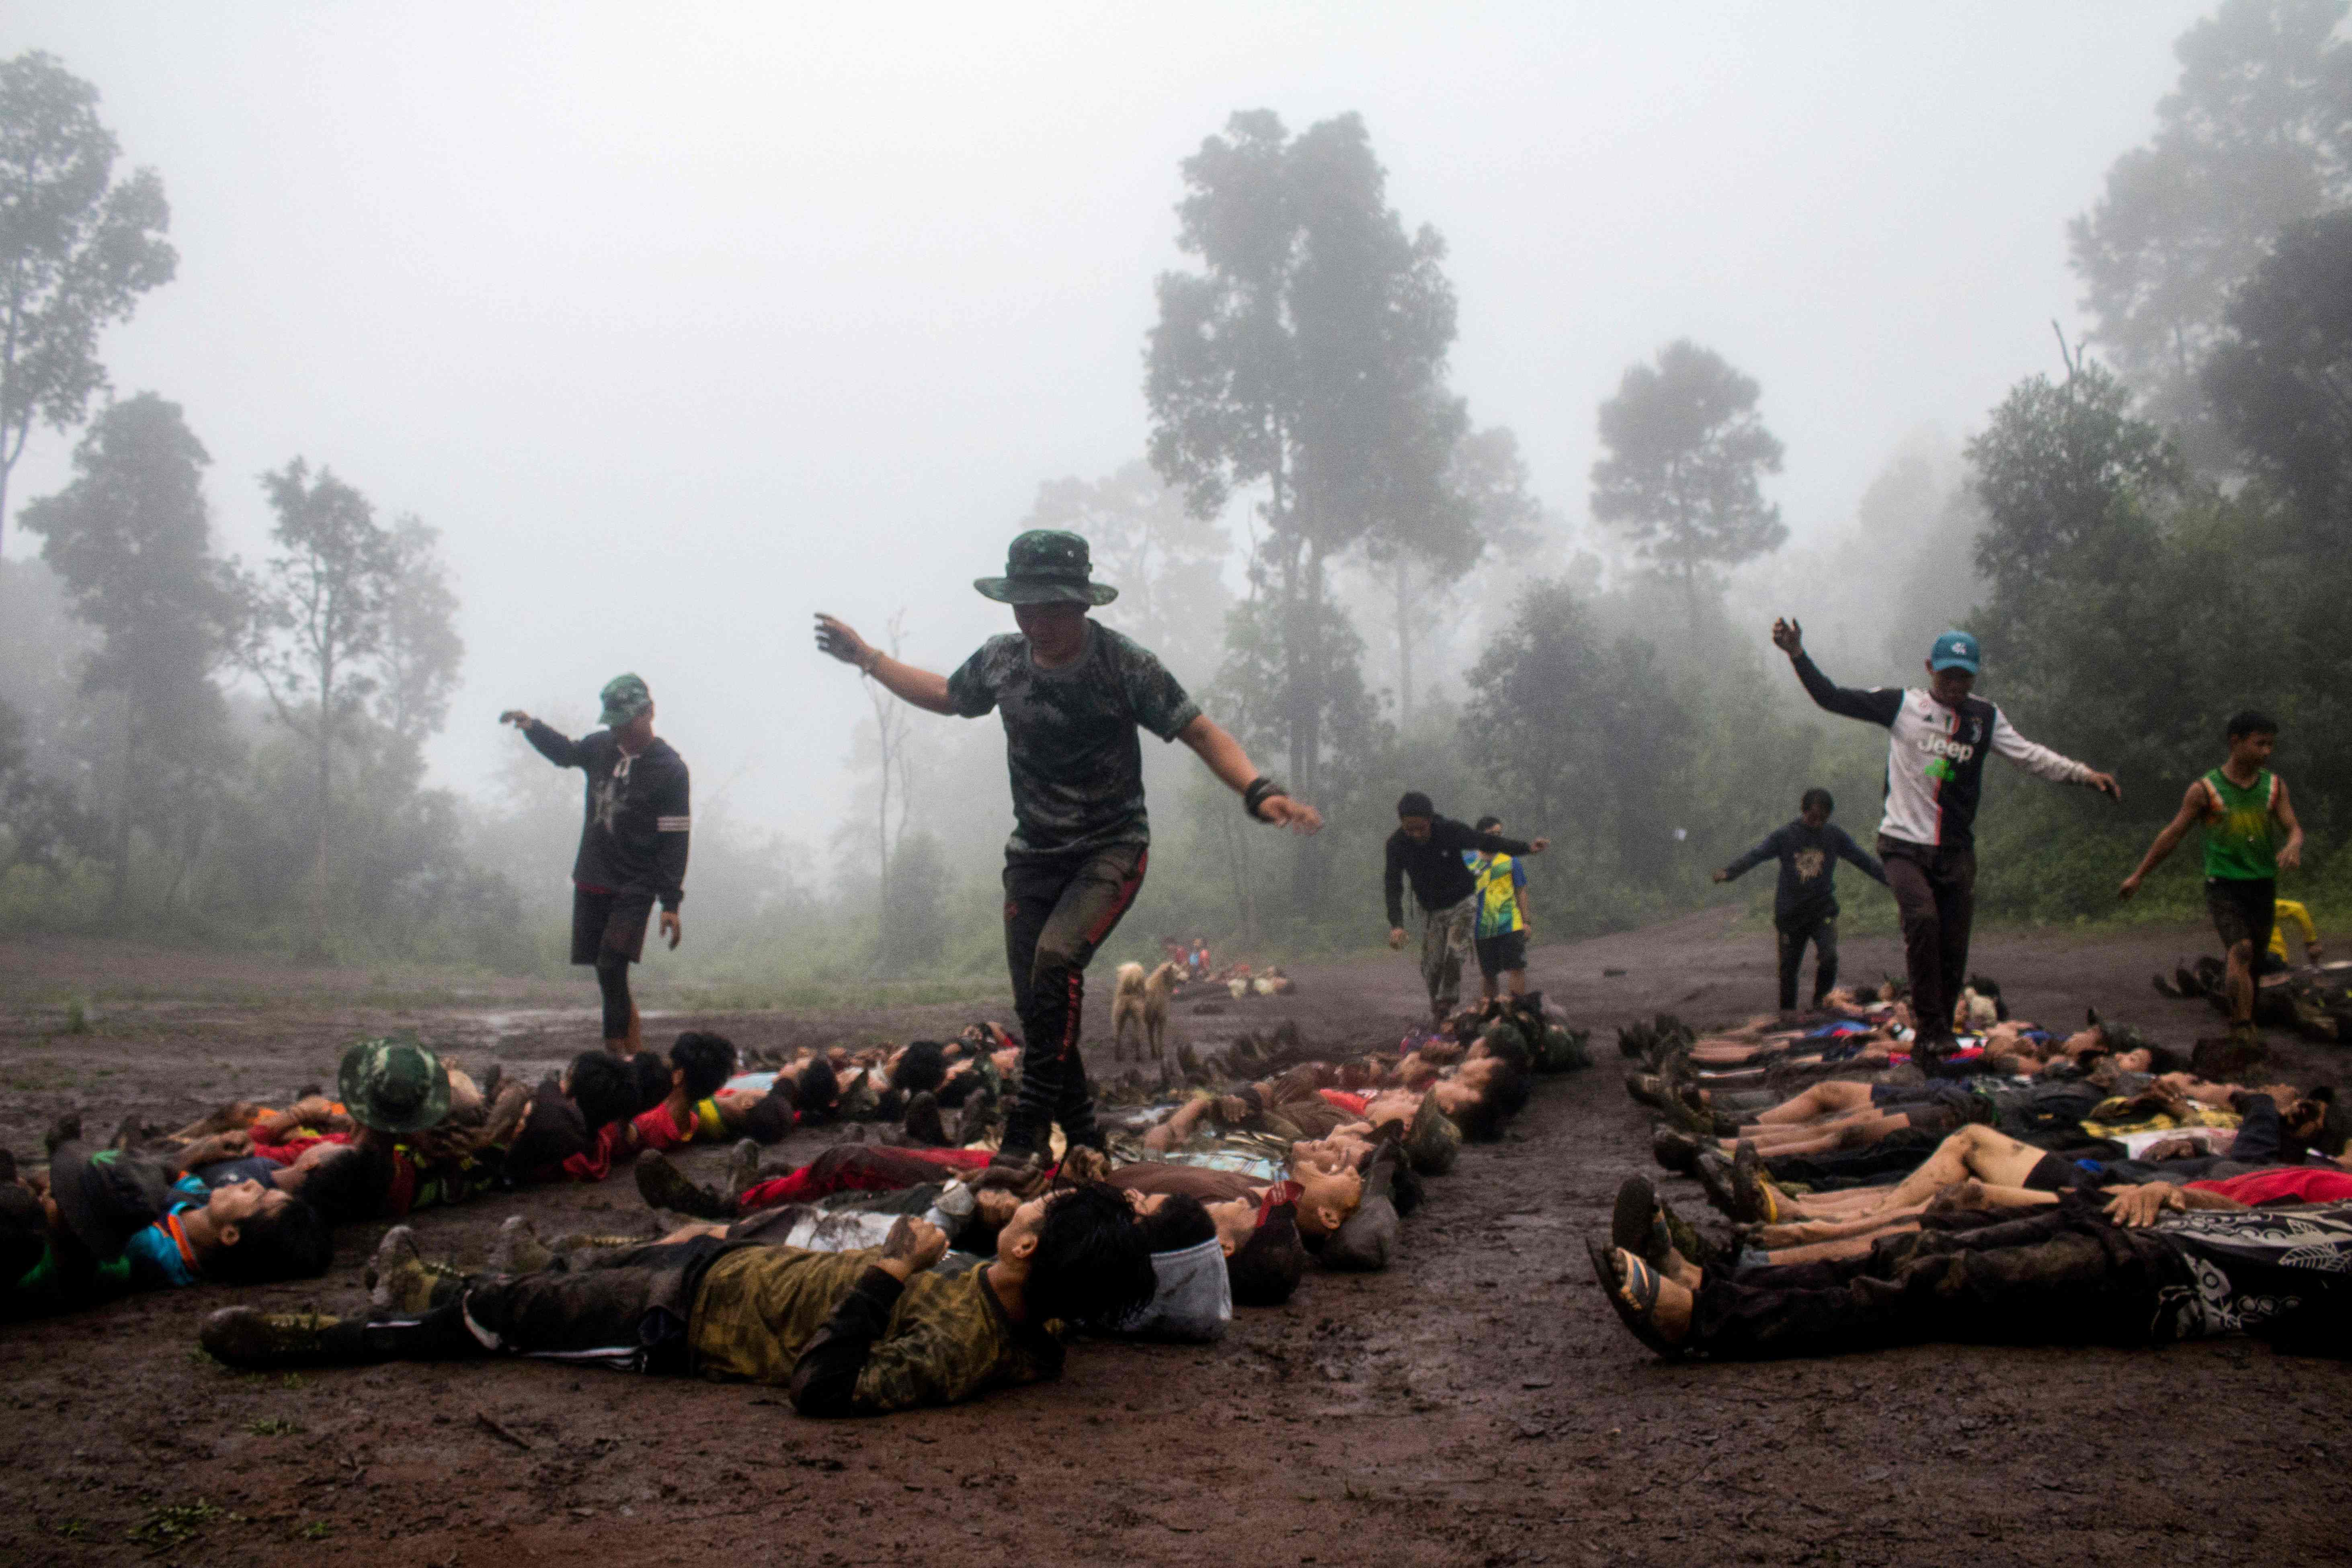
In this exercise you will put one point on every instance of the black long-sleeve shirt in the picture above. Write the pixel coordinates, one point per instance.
(1434, 866)
(1809, 857)
(634, 838)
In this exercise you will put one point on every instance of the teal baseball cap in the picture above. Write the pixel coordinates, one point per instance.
(1954, 650)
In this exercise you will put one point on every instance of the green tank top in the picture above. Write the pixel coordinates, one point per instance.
(2238, 844)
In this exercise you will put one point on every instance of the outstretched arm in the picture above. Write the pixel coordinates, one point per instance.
(1878, 707)
(1767, 849)
(2192, 807)
(2042, 763)
(1225, 757)
(547, 741)
(1862, 859)
(922, 688)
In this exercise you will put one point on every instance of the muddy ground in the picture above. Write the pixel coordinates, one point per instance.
(1475, 1404)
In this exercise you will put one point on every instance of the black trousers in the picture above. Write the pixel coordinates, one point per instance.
(1897, 1154)
(1057, 911)
(2064, 1276)
(1936, 889)
(1818, 927)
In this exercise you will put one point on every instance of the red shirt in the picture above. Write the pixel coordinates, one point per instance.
(1353, 1104)
(2312, 1183)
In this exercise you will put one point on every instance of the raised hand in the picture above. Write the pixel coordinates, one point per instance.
(1789, 635)
(841, 640)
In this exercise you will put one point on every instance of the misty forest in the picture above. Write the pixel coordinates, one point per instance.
(1346, 557)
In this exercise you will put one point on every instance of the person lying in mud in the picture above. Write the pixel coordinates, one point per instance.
(1978, 1167)
(858, 1332)
(2132, 1265)
(103, 1223)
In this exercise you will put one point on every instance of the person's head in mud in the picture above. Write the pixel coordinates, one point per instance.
(701, 1065)
(1326, 1198)
(1952, 666)
(1173, 1221)
(1482, 1095)
(250, 1233)
(1075, 1253)
(2253, 738)
(1415, 813)
(332, 1178)
(651, 1077)
(1813, 809)
(918, 1068)
(604, 1087)
(815, 1089)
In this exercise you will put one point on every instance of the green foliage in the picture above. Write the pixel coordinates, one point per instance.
(2257, 134)
(273, 1426)
(173, 1525)
(77, 248)
(1686, 452)
(2277, 380)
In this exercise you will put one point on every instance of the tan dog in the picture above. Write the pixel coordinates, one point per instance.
(1143, 1003)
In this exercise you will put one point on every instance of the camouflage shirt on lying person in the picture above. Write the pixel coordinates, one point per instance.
(1070, 740)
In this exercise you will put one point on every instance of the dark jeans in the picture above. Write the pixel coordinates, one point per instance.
(1936, 889)
(1818, 927)
(1056, 913)
(2061, 1277)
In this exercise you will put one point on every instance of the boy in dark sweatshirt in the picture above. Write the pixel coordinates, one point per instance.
(1805, 906)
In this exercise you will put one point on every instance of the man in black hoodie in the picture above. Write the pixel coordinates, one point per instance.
(1431, 852)
(633, 842)
(1805, 906)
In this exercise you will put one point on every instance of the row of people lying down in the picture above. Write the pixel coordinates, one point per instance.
(406, 1131)
(879, 1277)
(2091, 1198)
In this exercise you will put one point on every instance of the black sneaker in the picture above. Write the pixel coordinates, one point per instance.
(923, 1124)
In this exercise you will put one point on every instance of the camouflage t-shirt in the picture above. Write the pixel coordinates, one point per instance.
(1078, 768)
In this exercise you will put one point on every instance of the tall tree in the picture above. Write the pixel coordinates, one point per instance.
(2281, 381)
(1687, 455)
(1484, 503)
(131, 539)
(320, 624)
(77, 249)
(2256, 134)
(1307, 356)
(422, 650)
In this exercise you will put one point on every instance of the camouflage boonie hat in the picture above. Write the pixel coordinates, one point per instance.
(1047, 567)
(393, 1084)
(624, 697)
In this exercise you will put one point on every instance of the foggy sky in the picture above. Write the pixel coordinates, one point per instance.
(683, 323)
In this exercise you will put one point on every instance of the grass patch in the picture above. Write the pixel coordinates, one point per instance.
(174, 1523)
(273, 1426)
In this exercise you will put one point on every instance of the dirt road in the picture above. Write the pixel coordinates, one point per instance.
(1475, 1404)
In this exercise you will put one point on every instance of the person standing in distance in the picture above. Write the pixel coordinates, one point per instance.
(2243, 806)
(1072, 693)
(1428, 850)
(633, 842)
(1936, 742)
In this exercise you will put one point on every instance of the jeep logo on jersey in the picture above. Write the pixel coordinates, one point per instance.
(1939, 746)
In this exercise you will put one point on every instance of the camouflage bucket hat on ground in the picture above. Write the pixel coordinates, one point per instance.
(1046, 566)
(624, 697)
(393, 1084)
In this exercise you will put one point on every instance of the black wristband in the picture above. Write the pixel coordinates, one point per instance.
(1255, 794)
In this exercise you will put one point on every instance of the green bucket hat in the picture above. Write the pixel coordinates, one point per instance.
(624, 697)
(393, 1084)
(1046, 566)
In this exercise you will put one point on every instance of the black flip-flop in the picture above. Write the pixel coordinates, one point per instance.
(1633, 1297)
(1637, 1205)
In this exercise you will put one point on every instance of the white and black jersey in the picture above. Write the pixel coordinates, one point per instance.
(1936, 755)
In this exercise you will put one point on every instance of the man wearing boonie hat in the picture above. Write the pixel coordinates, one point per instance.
(1072, 694)
(633, 842)
(1938, 739)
